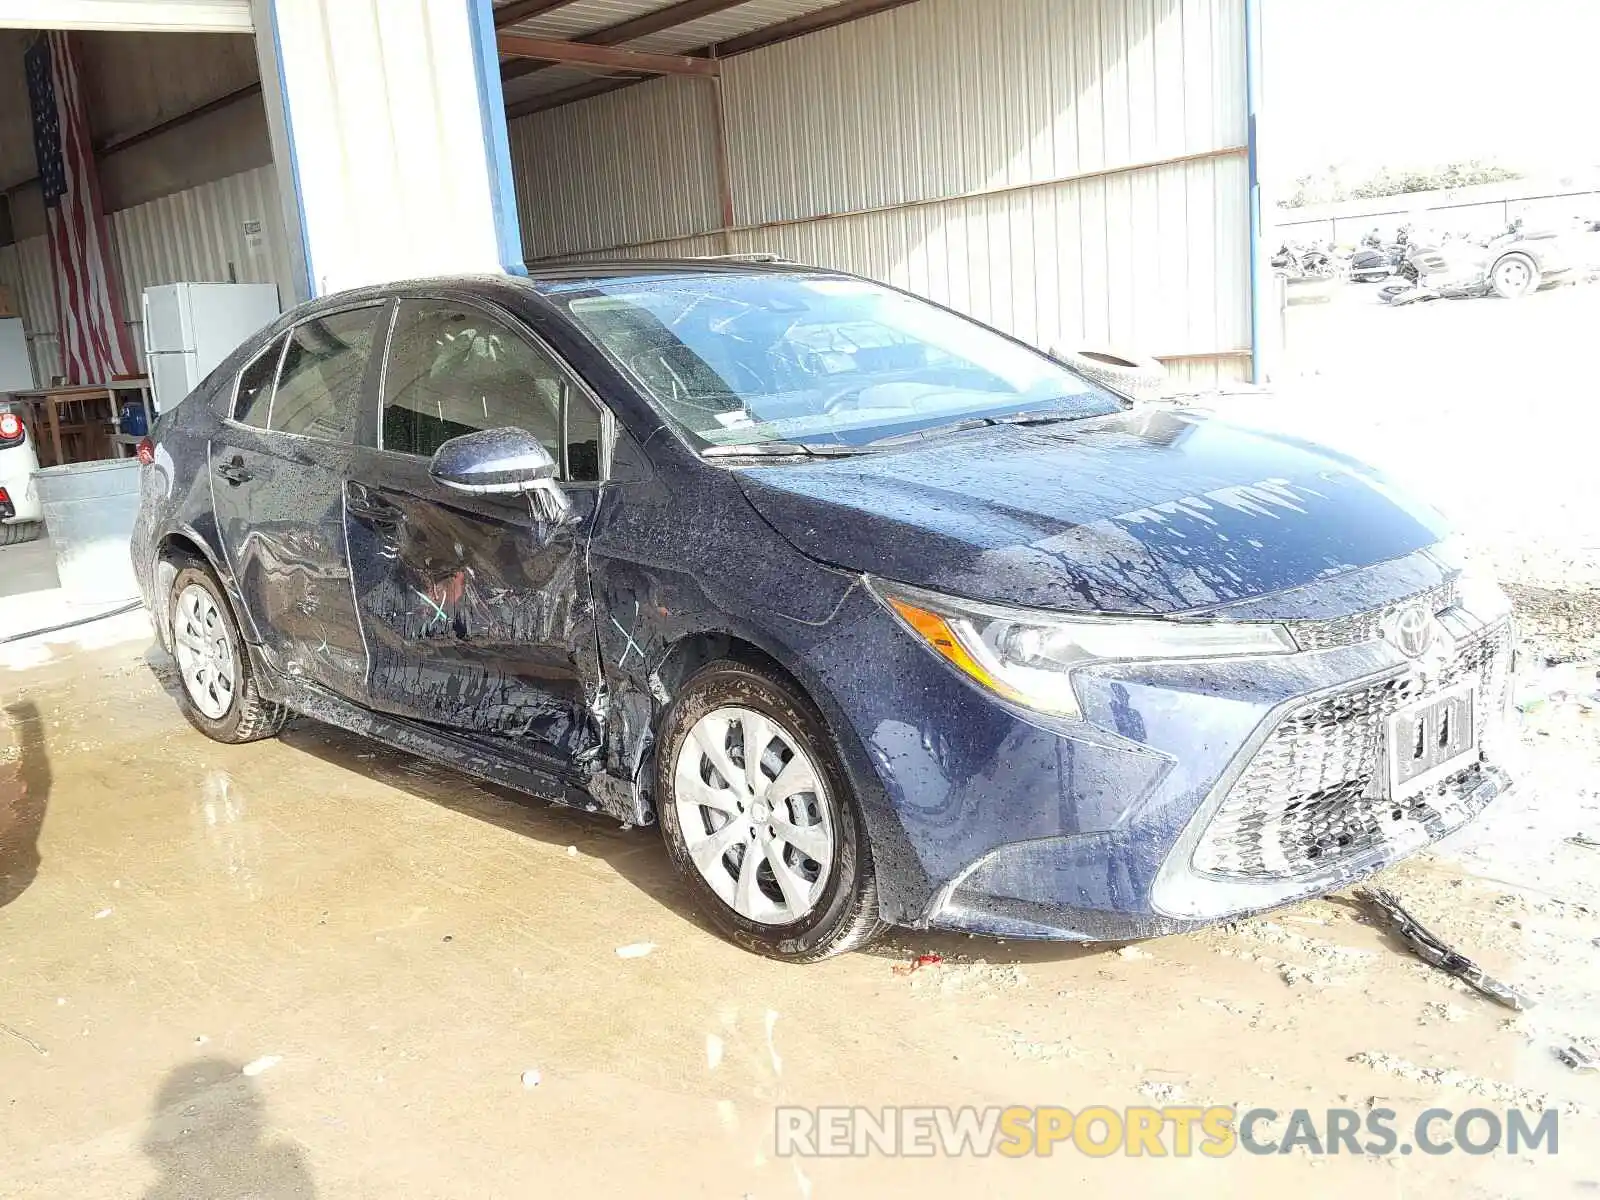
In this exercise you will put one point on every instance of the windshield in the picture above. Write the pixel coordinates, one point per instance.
(745, 359)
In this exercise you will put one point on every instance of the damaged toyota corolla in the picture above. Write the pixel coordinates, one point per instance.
(884, 617)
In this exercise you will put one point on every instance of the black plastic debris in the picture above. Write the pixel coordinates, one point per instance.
(1579, 1058)
(1432, 950)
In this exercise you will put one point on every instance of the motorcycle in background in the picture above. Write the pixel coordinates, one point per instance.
(1298, 262)
(1511, 266)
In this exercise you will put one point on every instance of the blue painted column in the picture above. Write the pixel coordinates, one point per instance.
(389, 135)
(1260, 273)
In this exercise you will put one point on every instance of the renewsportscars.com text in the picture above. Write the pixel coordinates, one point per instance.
(1176, 1131)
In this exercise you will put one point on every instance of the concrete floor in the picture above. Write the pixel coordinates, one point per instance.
(313, 967)
(28, 567)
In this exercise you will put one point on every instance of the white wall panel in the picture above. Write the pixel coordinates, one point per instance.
(579, 187)
(947, 97)
(1010, 158)
(1062, 263)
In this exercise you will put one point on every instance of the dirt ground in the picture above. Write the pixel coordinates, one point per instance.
(313, 967)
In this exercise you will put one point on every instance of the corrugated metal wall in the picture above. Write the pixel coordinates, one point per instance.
(588, 195)
(230, 230)
(1069, 170)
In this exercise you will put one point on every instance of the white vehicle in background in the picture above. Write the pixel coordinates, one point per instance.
(20, 514)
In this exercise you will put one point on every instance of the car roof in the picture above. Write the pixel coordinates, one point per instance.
(488, 284)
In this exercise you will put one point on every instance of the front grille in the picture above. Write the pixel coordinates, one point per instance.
(1368, 626)
(1313, 793)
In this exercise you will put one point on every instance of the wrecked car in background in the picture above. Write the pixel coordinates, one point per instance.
(884, 617)
(1511, 266)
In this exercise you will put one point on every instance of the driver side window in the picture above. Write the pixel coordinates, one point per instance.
(454, 370)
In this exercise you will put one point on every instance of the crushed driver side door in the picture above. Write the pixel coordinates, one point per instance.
(475, 609)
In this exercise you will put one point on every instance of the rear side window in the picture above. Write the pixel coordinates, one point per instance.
(319, 384)
(254, 395)
(455, 370)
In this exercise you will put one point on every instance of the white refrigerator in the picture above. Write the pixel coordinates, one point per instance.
(191, 327)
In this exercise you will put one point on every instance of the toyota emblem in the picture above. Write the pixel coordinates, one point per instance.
(1412, 631)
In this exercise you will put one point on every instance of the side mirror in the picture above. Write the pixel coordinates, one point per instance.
(499, 462)
(1136, 376)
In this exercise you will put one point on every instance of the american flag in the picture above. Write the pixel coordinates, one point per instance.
(94, 341)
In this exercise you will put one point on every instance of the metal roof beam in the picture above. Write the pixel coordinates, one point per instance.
(522, 10)
(812, 22)
(633, 28)
(554, 50)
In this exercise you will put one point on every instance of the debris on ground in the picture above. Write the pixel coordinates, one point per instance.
(1579, 1057)
(1579, 839)
(24, 1039)
(1434, 951)
(531, 1078)
(1477, 1085)
(265, 1063)
(1560, 682)
(1131, 952)
(572, 852)
(1436, 1011)
(1161, 1091)
(635, 949)
(916, 964)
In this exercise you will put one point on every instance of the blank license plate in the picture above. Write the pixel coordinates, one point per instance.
(1431, 740)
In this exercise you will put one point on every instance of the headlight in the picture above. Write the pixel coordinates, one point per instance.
(1477, 589)
(1027, 656)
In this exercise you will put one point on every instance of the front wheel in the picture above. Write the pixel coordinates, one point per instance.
(759, 817)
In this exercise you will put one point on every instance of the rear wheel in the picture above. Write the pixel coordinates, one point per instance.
(1515, 276)
(219, 694)
(17, 532)
(759, 817)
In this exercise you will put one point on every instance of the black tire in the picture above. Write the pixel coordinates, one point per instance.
(248, 718)
(14, 533)
(1137, 376)
(845, 916)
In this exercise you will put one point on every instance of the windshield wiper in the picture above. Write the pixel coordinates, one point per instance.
(783, 450)
(1044, 416)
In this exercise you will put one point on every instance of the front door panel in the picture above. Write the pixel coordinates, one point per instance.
(475, 610)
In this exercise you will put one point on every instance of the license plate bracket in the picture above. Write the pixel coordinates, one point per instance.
(1431, 740)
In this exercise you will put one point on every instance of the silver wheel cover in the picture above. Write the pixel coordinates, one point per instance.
(1514, 275)
(205, 652)
(756, 823)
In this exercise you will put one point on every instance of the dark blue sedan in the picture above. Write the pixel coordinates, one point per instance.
(884, 617)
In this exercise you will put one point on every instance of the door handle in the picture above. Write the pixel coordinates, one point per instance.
(368, 508)
(234, 471)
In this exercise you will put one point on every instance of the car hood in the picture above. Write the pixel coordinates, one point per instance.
(1147, 511)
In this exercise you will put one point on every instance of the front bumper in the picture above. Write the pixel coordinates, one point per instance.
(1189, 793)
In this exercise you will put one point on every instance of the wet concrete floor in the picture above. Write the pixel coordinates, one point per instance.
(314, 967)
